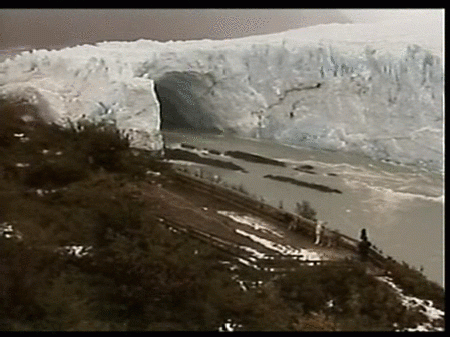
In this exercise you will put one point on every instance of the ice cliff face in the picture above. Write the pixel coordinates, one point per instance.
(65, 88)
(342, 87)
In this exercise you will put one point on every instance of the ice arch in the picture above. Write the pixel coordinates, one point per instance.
(380, 98)
(182, 105)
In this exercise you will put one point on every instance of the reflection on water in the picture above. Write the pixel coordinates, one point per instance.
(401, 207)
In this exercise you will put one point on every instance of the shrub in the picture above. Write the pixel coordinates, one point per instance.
(415, 283)
(354, 293)
(11, 121)
(103, 146)
(115, 217)
(136, 163)
(56, 156)
(22, 274)
(58, 173)
(305, 210)
(314, 322)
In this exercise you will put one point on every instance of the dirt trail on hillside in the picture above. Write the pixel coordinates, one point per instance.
(254, 238)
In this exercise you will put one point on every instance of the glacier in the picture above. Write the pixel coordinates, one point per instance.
(376, 89)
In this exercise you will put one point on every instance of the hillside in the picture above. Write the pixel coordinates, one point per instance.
(99, 236)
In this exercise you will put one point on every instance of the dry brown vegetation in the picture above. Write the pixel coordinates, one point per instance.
(85, 187)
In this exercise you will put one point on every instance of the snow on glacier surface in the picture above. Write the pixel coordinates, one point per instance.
(372, 88)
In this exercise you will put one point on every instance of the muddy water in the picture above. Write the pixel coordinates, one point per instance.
(401, 207)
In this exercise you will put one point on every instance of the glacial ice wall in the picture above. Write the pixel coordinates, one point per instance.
(339, 87)
(66, 88)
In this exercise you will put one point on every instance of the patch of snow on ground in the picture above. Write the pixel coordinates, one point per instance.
(256, 253)
(425, 306)
(255, 223)
(77, 251)
(304, 254)
(232, 267)
(8, 232)
(229, 326)
(182, 162)
(248, 264)
(246, 285)
(424, 327)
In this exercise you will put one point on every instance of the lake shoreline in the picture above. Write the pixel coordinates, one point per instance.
(369, 186)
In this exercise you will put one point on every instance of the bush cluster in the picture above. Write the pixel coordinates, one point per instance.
(414, 283)
(45, 155)
(353, 299)
(305, 210)
(139, 274)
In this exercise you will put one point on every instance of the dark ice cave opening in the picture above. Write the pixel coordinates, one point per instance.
(179, 95)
